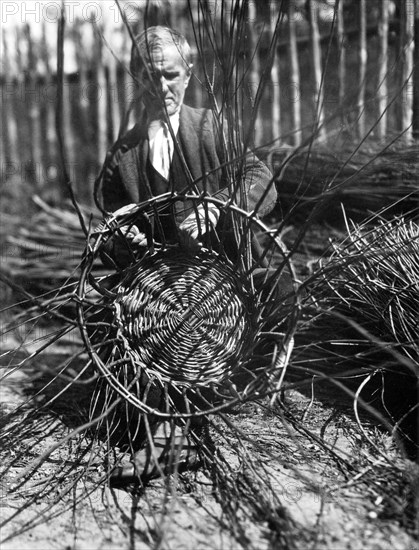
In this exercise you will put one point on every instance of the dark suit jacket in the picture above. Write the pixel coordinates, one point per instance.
(202, 156)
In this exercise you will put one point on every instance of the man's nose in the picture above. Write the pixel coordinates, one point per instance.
(163, 84)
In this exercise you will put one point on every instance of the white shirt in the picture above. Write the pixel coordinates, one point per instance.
(161, 143)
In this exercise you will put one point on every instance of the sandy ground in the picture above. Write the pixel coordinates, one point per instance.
(327, 506)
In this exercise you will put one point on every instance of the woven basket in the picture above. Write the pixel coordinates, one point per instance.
(179, 321)
(185, 318)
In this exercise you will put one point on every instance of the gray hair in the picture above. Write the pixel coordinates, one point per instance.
(157, 36)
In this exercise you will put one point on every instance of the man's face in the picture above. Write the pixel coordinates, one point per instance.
(167, 82)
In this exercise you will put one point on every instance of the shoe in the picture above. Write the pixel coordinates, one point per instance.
(176, 460)
(176, 453)
(124, 475)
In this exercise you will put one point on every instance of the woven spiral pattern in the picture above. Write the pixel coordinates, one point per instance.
(185, 317)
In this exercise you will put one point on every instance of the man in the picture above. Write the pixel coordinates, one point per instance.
(178, 149)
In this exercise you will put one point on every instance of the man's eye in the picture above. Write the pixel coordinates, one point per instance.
(151, 75)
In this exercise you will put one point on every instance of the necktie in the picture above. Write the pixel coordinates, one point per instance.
(160, 147)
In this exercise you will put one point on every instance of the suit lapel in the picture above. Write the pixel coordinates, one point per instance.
(143, 181)
(133, 168)
(191, 144)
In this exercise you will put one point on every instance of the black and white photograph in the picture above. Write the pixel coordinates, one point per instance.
(209, 275)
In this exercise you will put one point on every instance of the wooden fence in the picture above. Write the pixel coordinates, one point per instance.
(341, 73)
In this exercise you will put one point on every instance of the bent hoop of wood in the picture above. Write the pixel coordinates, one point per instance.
(202, 326)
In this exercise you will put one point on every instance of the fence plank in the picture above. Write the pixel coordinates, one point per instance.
(294, 83)
(415, 104)
(275, 76)
(33, 98)
(318, 96)
(341, 44)
(125, 86)
(84, 130)
(101, 107)
(48, 92)
(20, 111)
(362, 67)
(114, 116)
(382, 87)
(9, 125)
(406, 67)
(254, 75)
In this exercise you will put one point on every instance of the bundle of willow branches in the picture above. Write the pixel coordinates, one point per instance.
(361, 322)
(382, 282)
(43, 253)
(366, 181)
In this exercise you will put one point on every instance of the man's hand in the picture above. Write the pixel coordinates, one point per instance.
(129, 244)
(200, 221)
(133, 234)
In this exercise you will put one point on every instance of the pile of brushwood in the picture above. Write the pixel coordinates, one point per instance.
(43, 254)
(316, 182)
(360, 323)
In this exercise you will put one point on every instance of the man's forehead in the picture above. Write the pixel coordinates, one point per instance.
(161, 55)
